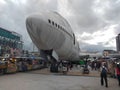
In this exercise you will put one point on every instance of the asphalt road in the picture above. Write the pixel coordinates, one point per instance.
(33, 81)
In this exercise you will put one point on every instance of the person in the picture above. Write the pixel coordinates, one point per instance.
(118, 73)
(104, 76)
(64, 68)
(71, 66)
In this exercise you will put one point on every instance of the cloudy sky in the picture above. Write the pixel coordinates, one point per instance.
(95, 23)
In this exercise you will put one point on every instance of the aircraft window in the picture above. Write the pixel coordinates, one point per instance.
(74, 38)
(52, 23)
(49, 20)
(60, 27)
(56, 24)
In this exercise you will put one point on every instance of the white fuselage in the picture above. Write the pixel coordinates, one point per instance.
(50, 31)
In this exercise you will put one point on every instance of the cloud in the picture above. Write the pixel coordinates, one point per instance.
(95, 21)
(112, 12)
(81, 15)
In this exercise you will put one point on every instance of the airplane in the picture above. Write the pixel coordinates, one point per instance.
(53, 36)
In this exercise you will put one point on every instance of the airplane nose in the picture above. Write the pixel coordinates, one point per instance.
(33, 23)
(35, 27)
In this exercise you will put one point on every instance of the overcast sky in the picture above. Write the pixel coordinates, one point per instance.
(95, 23)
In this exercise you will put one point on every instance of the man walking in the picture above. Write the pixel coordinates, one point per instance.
(104, 76)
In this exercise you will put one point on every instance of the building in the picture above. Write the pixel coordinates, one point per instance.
(91, 55)
(108, 52)
(10, 43)
(118, 42)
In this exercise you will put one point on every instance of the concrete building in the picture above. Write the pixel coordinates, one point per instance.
(10, 43)
(107, 52)
(118, 42)
(111, 54)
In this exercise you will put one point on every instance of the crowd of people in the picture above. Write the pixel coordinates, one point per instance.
(104, 71)
(104, 67)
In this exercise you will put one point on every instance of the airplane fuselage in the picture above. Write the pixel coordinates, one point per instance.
(50, 31)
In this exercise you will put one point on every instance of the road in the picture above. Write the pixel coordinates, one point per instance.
(36, 81)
